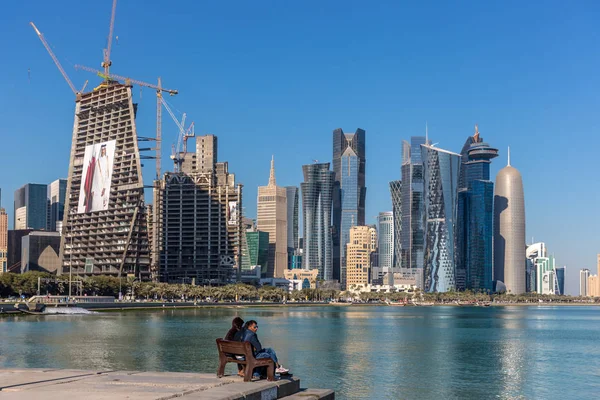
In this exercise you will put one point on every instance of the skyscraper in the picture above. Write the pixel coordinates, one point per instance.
(271, 217)
(441, 169)
(584, 275)
(3, 241)
(509, 230)
(57, 191)
(199, 230)
(317, 191)
(533, 252)
(292, 223)
(349, 193)
(385, 222)
(474, 225)
(413, 233)
(358, 250)
(396, 192)
(31, 206)
(561, 273)
(105, 225)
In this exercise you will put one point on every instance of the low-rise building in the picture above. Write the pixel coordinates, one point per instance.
(39, 252)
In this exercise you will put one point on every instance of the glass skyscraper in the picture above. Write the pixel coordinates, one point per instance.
(440, 176)
(317, 193)
(412, 235)
(396, 192)
(474, 226)
(355, 196)
(350, 195)
(292, 224)
(31, 207)
(57, 191)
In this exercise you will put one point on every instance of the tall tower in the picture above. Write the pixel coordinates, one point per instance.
(31, 207)
(271, 217)
(317, 191)
(440, 175)
(385, 222)
(474, 225)
(292, 223)
(105, 226)
(3, 241)
(396, 192)
(350, 192)
(509, 230)
(358, 250)
(413, 231)
(57, 191)
(584, 275)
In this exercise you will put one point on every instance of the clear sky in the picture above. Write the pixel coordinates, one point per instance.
(276, 77)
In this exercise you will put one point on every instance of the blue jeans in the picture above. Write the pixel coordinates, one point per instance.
(267, 353)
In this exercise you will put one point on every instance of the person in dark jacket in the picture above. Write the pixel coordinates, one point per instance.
(236, 328)
(248, 334)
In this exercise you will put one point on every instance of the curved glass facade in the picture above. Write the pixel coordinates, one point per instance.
(317, 193)
(440, 172)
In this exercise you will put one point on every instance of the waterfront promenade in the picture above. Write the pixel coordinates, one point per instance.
(59, 384)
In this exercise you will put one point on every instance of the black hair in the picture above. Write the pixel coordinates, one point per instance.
(248, 324)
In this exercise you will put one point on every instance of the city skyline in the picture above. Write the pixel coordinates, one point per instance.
(547, 114)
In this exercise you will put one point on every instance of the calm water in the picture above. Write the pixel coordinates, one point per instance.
(362, 352)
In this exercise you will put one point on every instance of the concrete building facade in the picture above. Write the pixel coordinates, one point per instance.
(271, 217)
(509, 230)
(199, 224)
(358, 255)
(593, 289)
(385, 223)
(40, 252)
(584, 275)
(104, 226)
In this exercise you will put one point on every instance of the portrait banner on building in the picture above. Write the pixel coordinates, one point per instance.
(94, 194)
(232, 220)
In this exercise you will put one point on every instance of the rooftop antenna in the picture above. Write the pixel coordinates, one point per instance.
(508, 156)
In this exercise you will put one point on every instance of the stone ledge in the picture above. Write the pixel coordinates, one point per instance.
(312, 394)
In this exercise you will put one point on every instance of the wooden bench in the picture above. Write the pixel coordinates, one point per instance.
(229, 349)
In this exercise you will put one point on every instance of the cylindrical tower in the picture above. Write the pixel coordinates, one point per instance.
(509, 230)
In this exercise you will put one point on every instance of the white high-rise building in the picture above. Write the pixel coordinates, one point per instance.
(584, 275)
(385, 229)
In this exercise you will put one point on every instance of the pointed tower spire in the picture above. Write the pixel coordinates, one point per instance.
(272, 175)
(508, 156)
(426, 134)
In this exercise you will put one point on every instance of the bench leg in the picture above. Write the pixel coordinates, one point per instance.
(248, 368)
(222, 363)
(271, 372)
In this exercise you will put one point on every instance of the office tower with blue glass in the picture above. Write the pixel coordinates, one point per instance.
(396, 192)
(412, 235)
(57, 191)
(31, 207)
(292, 224)
(317, 193)
(349, 194)
(474, 225)
(441, 169)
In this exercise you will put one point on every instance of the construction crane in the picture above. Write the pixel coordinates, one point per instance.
(182, 137)
(60, 68)
(128, 81)
(107, 63)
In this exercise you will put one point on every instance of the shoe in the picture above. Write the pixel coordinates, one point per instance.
(282, 371)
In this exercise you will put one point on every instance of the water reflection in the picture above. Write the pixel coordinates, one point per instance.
(362, 352)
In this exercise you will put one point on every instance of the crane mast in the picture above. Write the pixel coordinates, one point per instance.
(106, 63)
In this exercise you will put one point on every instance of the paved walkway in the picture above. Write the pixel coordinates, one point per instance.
(60, 384)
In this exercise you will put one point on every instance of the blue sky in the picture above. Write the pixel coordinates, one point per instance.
(276, 77)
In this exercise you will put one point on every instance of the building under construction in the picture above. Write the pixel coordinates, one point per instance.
(197, 223)
(105, 226)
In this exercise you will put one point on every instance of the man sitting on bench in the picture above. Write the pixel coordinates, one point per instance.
(248, 334)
